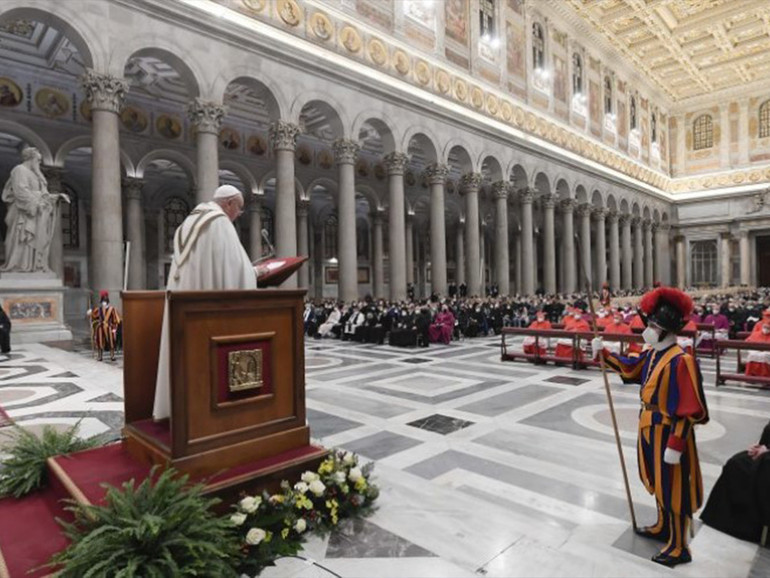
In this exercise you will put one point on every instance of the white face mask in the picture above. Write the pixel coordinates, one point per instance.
(576, 315)
(650, 336)
(766, 329)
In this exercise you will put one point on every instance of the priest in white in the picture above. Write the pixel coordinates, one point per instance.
(208, 256)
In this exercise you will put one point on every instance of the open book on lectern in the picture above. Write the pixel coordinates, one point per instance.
(278, 269)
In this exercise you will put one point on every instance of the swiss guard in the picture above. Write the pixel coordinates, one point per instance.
(672, 402)
(105, 321)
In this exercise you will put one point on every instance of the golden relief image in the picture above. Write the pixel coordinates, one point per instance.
(244, 370)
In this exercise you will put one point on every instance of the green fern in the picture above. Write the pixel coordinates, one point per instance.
(158, 529)
(25, 470)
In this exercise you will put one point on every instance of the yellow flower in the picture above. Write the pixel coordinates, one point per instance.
(303, 502)
(327, 466)
(284, 533)
(268, 537)
(360, 484)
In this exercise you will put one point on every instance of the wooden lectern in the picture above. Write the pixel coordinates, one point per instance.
(237, 386)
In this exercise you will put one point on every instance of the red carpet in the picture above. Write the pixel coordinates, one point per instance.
(5, 419)
(29, 534)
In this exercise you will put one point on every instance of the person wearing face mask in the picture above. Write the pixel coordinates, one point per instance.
(105, 322)
(758, 362)
(765, 319)
(721, 327)
(578, 324)
(540, 322)
(672, 403)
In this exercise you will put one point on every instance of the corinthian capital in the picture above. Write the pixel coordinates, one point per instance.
(303, 207)
(104, 91)
(396, 163)
(470, 183)
(568, 205)
(613, 216)
(527, 195)
(206, 116)
(548, 200)
(437, 173)
(283, 135)
(345, 151)
(584, 210)
(500, 189)
(599, 214)
(133, 187)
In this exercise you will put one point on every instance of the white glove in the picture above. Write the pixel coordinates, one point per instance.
(672, 456)
(596, 346)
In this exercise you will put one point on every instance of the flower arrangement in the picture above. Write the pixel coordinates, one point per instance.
(272, 526)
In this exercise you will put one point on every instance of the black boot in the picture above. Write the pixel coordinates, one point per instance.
(672, 561)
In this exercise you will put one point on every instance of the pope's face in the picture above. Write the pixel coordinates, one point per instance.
(233, 207)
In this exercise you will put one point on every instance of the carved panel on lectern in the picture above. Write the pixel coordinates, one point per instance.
(243, 366)
(244, 370)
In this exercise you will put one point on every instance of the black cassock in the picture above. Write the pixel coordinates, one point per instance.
(5, 332)
(739, 504)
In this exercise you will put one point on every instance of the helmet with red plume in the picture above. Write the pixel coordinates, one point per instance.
(667, 307)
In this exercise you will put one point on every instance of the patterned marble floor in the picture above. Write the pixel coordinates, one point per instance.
(486, 469)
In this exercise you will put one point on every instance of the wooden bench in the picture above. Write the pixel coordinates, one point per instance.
(723, 345)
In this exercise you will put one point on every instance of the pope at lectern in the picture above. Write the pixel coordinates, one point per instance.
(208, 256)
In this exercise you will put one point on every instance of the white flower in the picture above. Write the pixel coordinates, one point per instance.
(249, 504)
(309, 476)
(300, 525)
(355, 474)
(339, 477)
(255, 536)
(349, 458)
(301, 487)
(317, 487)
(238, 518)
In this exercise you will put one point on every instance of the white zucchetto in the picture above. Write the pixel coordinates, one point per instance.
(226, 192)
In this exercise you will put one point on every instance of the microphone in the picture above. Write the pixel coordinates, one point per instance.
(266, 238)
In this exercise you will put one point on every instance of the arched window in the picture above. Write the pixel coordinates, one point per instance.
(330, 237)
(764, 119)
(632, 112)
(703, 256)
(70, 219)
(653, 128)
(703, 132)
(174, 212)
(607, 95)
(538, 46)
(577, 74)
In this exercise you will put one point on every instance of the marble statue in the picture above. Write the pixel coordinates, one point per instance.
(32, 214)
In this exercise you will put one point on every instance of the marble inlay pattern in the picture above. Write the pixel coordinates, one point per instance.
(524, 481)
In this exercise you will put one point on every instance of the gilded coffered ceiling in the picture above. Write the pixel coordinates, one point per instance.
(688, 48)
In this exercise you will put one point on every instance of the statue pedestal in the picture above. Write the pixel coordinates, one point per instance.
(35, 304)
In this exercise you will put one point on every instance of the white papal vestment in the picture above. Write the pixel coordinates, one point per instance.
(208, 256)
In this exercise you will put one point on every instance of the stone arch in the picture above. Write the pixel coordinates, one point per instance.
(612, 204)
(370, 195)
(463, 158)
(562, 189)
(328, 105)
(656, 216)
(70, 23)
(490, 168)
(84, 141)
(635, 210)
(243, 173)
(518, 176)
(425, 139)
(299, 189)
(581, 196)
(624, 208)
(384, 131)
(596, 199)
(249, 75)
(30, 137)
(646, 213)
(171, 155)
(542, 184)
(152, 45)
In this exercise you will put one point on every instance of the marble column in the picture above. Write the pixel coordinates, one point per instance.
(283, 136)
(56, 256)
(206, 117)
(647, 228)
(681, 262)
(570, 276)
(549, 243)
(517, 254)
(409, 237)
(601, 248)
(303, 244)
(665, 267)
(469, 188)
(137, 268)
(745, 249)
(725, 260)
(460, 253)
(396, 163)
(657, 259)
(584, 212)
(345, 152)
(378, 272)
(627, 268)
(614, 250)
(502, 260)
(255, 216)
(437, 174)
(636, 222)
(318, 259)
(106, 94)
(526, 196)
